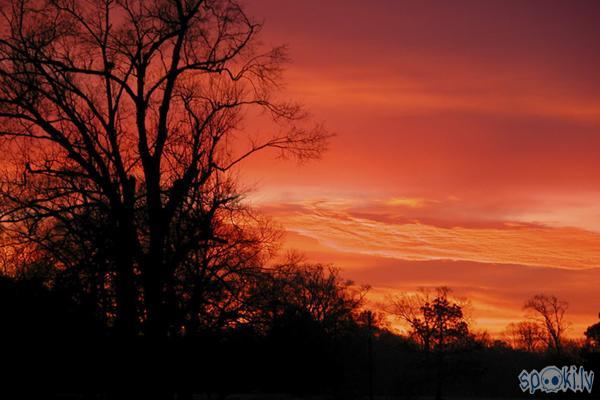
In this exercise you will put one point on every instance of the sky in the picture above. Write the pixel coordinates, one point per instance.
(466, 151)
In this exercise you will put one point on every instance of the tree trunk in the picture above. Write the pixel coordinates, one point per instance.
(153, 269)
(155, 326)
(125, 286)
(126, 319)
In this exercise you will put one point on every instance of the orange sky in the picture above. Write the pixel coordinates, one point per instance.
(467, 145)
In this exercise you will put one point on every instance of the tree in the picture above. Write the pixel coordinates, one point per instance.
(526, 335)
(121, 124)
(312, 291)
(305, 315)
(435, 321)
(549, 312)
(592, 333)
(438, 323)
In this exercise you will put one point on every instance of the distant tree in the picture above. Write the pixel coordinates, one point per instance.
(549, 313)
(305, 315)
(121, 129)
(314, 290)
(526, 335)
(377, 320)
(435, 320)
(438, 323)
(592, 333)
(408, 308)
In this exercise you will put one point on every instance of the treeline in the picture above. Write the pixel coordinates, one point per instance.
(299, 329)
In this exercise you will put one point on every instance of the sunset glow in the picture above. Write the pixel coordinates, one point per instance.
(466, 152)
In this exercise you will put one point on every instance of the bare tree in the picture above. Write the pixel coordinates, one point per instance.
(408, 309)
(549, 312)
(526, 335)
(121, 130)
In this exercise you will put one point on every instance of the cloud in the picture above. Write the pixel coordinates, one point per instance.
(474, 93)
(340, 229)
(407, 202)
(496, 292)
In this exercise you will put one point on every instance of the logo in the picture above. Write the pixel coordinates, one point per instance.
(552, 379)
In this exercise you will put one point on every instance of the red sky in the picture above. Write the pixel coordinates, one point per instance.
(467, 147)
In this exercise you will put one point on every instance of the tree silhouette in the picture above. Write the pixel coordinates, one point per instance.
(314, 291)
(121, 124)
(549, 312)
(437, 322)
(526, 335)
(592, 333)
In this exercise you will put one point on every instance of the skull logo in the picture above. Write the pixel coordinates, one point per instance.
(551, 379)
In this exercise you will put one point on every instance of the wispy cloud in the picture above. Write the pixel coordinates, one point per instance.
(407, 202)
(508, 243)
